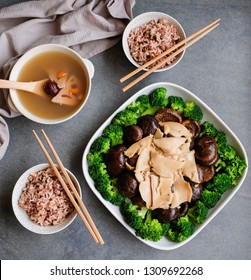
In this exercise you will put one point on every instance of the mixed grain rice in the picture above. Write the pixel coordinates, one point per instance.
(44, 198)
(149, 40)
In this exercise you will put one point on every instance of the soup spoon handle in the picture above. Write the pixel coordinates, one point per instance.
(34, 87)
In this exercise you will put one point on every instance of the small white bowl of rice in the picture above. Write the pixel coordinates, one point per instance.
(40, 203)
(150, 34)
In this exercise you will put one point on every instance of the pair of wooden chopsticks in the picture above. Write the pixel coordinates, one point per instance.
(195, 36)
(80, 207)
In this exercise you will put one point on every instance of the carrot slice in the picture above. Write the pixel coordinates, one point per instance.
(74, 90)
(61, 74)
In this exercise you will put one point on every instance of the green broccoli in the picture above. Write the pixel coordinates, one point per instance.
(181, 229)
(220, 183)
(125, 118)
(221, 139)
(235, 169)
(150, 111)
(177, 103)
(151, 228)
(140, 218)
(198, 212)
(158, 98)
(115, 133)
(100, 145)
(133, 214)
(94, 159)
(209, 198)
(108, 189)
(230, 163)
(220, 165)
(193, 111)
(227, 152)
(208, 128)
(140, 105)
(98, 172)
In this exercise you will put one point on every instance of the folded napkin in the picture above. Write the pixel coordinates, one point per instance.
(87, 26)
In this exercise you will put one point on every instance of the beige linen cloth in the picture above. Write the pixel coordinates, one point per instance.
(87, 26)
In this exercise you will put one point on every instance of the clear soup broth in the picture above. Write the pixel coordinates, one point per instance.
(38, 68)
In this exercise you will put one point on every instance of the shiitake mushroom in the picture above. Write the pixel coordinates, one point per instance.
(205, 173)
(166, 215)
(193, 126)
(132, 134)
(148, 124)
(127, 184)
(196, 191)
(206, 152)
(168, 115)
(115, 160)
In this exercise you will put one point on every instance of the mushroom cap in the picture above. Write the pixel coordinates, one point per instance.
(206, 151)
(168, 115)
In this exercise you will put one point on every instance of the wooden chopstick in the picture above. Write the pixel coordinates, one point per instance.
(87, 221)
(199, 34)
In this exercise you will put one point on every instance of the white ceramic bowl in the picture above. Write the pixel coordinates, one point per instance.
(23, 217)
(146, 18)
(209, 115)
(14, 101)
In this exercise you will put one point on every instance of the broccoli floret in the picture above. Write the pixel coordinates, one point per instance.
(158, 98)
(100, 145)
(115, 133)
(220, 139)
(181, 229)
(220, 165)
(151, 228)
(103, 183)
(235, 169)
(198, 212)
(96, 171)
(133, 214)
(220, 183)
(177, 103)
(125, 118)
(165, 228)
(230, 163)
(210, 198)
(140, 218)
(94, 159)
(150, 111)
(140, 105)
(193, 111)
(108, 189)
(208, 128)
(227, 152)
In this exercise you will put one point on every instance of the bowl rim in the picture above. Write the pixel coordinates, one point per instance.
(31, 53)
(22, 216)
(144, 18)
(209, 114)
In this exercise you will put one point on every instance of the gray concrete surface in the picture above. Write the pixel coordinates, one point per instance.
(217, 70)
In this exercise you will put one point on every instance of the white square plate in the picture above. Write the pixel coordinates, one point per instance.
(209, 115)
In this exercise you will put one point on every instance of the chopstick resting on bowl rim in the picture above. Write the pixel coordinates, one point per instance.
(197, 35)
(80, 208)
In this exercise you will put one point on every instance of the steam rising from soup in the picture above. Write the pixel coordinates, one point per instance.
(47, 65)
